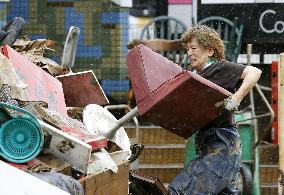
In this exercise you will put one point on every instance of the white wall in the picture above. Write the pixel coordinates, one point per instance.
(182, 12)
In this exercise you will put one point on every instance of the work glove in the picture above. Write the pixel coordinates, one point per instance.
(231, 103)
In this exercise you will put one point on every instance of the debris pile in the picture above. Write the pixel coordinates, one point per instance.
(50, 104)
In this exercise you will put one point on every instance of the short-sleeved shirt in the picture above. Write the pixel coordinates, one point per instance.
(226, 75)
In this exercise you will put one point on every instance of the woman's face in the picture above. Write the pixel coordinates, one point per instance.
(197, 54)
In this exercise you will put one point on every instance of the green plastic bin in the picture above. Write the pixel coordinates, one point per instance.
(245, 129)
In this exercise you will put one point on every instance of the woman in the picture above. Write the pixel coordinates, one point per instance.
(218, 146)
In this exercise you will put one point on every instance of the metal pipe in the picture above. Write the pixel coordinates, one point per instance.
(69, 50)
(256, 117)
(264, 88)
(125, 106)
(281, 125)
(271, 112)
(133, 113)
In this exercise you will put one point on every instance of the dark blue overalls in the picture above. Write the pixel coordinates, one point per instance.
(215, 168)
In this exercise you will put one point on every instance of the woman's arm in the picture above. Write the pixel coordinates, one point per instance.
(250, 76)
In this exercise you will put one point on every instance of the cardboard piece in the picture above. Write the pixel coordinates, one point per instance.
(107, 182)
(177, 100)
(81, 89)
(41, 86)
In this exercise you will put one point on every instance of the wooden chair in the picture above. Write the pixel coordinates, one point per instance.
(229, 32)
(162, 35)
(163, 27)
(172, 49)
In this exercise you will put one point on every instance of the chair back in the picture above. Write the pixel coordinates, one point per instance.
(162, 35)
(163, 27)
(229, 32)
(171, 49)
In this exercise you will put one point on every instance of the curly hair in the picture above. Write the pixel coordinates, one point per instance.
(208, 38)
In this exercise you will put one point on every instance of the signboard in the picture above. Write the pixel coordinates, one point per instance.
(263, 22)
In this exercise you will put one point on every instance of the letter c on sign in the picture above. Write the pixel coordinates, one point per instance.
(278, 26)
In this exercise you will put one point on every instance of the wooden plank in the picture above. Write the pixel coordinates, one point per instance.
(281, 124)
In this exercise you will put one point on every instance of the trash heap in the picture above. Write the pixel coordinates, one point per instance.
(38, 99)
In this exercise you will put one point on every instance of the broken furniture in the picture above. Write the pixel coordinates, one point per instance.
(73, 145)
(81, 89)
(170, 97)
(41, 86)
(64, 138)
